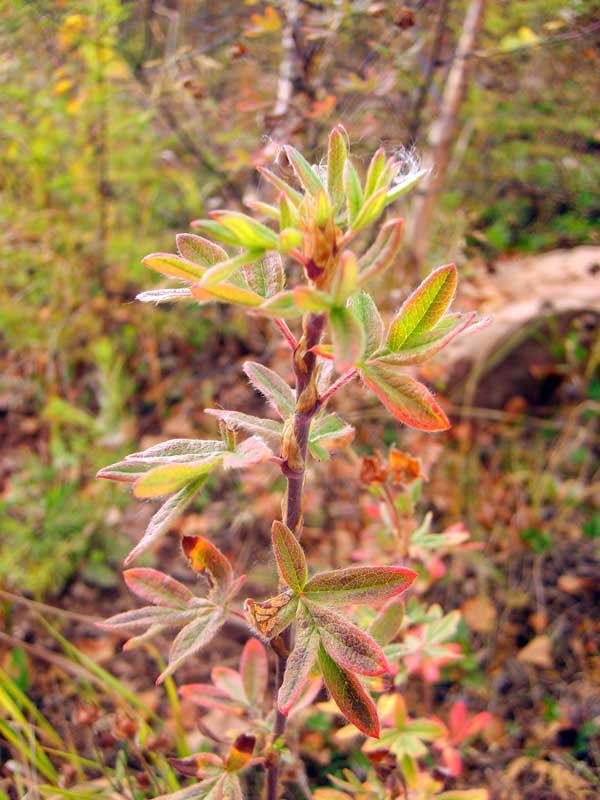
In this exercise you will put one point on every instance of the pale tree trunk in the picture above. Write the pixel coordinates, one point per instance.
(442, 135)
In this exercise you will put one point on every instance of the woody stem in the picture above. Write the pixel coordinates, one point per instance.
(307, 405)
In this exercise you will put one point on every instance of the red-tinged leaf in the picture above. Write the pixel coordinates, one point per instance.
(345, 278)
(266, 429)
(323, 350)
(383, 252)
(250, 451)
(308, 177)
(348, 645)
(173, 266)
(349, 695)
(164, 295)
(272, 387)
(200, 765)
(254, 669)
(352, 190)
(300, 663)
(229, 682)
(123, 471)
(352, 585)
(386, 625)
(291, 561)
(272, 616)
(405, 398)
(192, 638)
(225, 293)
(170, 478)
(347, 337)
(157, 588)
(249, 232)
(337, 153)
(307, 696)
(427, 344)
(368, 316)
(292, 195)
(206, 695)
(178, 451)
(424, 308)
(205, 557)
(199, 250)
(144, 638)
(147, 616)
(166, 515)
(266, 276)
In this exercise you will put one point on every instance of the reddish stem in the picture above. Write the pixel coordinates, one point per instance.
(287, 334)
(341, 381)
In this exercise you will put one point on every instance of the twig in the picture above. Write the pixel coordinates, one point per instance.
(341, 381)
(287, 334)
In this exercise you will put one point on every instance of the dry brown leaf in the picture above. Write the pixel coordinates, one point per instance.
(537, 652)
(479, 613)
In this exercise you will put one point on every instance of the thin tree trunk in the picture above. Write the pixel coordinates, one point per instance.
(442, 134)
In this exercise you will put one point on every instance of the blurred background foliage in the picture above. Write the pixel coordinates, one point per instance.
(121, 122)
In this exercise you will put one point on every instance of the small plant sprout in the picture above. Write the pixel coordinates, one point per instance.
(307, 270)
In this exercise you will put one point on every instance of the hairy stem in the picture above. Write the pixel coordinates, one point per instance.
(307, 404)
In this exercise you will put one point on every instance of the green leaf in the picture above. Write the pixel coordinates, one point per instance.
(171, 477)
(348, 645)
(123, 471)
(173, 266)
(424, 308)
(225, 293)
(326, 428)
(291, 561)
(157, 588)
(178, 451)
(404, 184)
(404, 397)
(193, 637)
(291, 194)
(371, 210)
(254, 669)
(280, 305)
(386, 625)
(166, 515)
(353, 191)
(199, 250)
(272, 387)
(299, 663)
(347, 336)
(307, 176)
(364, 309)
(352, 585)
(309, 299)
(426, 345)
(225, 269)
(272, 616)
(377, 169)
(337, 153)
(265, 276)
(215, 230)
(352, 700)
(266, 429)
(248, 232)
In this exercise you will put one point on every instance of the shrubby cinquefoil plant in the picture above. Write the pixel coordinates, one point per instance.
(318, 224)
